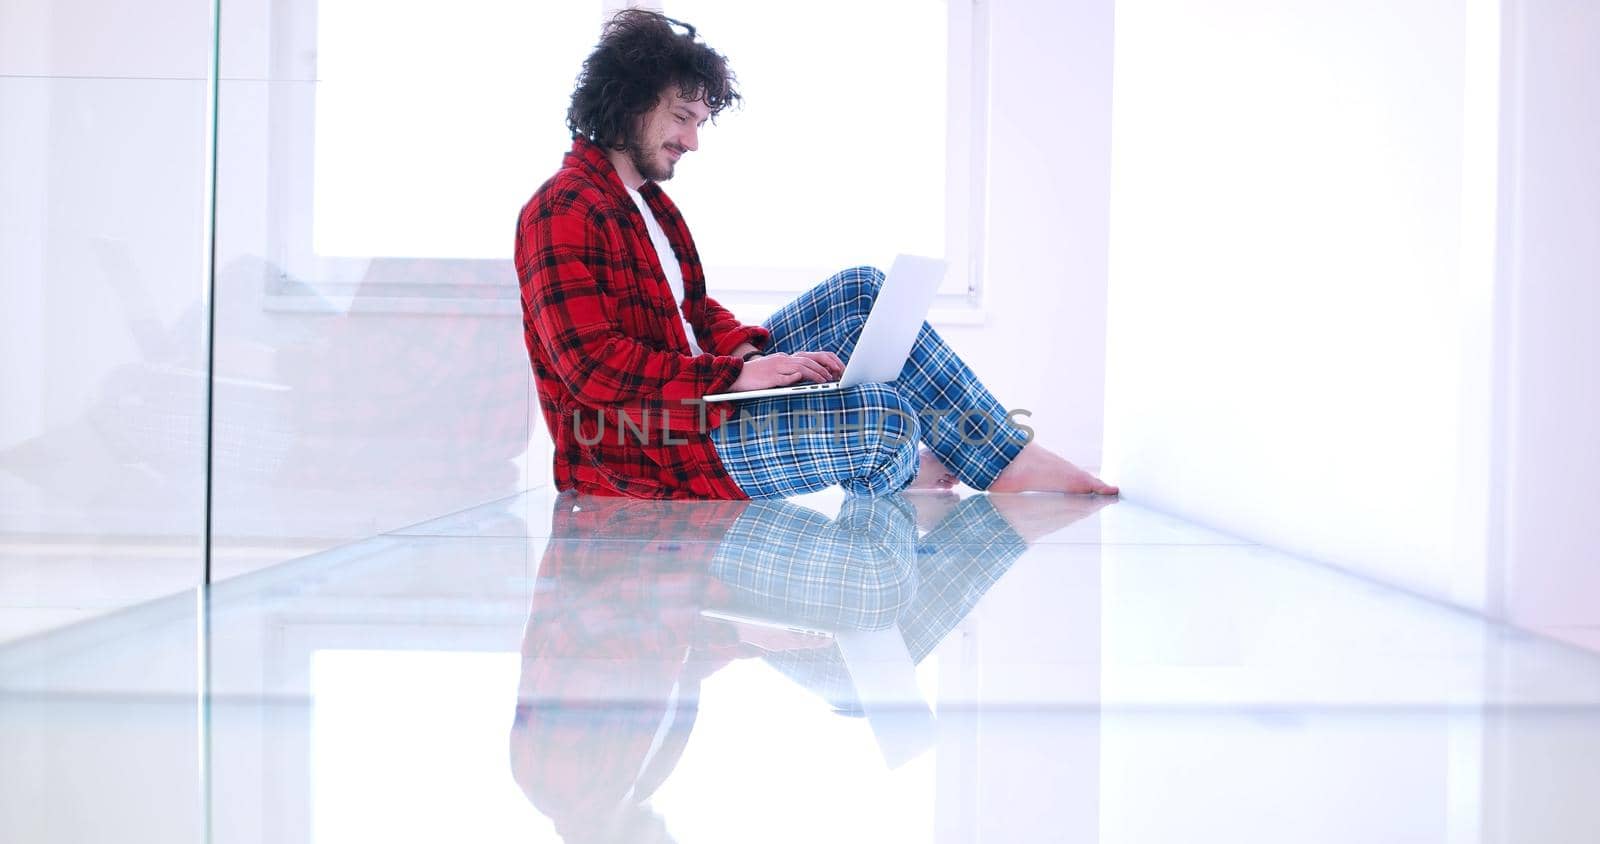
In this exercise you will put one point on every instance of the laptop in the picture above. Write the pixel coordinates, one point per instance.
(885, 342)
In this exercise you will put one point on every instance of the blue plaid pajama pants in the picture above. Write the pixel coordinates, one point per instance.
(864, 438)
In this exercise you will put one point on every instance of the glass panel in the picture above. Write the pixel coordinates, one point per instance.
(103, 128)
(370, 365)
(102, 337)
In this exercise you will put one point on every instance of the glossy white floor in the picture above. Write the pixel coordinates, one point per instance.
(922, 669)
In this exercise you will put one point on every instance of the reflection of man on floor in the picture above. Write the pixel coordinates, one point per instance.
(624, 341)
(616, 649)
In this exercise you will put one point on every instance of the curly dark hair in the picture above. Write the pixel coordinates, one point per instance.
(638, 56)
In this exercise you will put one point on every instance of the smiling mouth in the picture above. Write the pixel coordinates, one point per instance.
(676, 153)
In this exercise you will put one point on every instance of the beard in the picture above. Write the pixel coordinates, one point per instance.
(649, 166)
(652, 167)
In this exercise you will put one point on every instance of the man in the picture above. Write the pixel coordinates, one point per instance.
(624, 341)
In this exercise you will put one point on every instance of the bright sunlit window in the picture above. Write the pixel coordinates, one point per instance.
(434, 124)
(838, 154)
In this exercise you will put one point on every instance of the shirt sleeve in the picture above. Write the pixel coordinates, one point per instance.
(720, 332)
(564, 264)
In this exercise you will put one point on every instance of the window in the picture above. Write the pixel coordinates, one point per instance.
(841, 153)
(430, 126)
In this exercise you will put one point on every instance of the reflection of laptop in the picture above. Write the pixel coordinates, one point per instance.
(885, 343)
(884, 677)
(886, 685)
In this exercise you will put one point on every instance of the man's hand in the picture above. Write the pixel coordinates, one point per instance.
(781, 370)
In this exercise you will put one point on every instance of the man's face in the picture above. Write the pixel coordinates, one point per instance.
(665, 133)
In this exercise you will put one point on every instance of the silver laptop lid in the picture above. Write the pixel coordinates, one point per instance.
(897, 315)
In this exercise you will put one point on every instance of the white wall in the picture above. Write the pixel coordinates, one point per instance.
(1042, 345)
(1546, 540)
(1353, 263)
(1289, 302)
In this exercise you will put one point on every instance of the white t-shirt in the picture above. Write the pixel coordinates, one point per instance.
(669, 263)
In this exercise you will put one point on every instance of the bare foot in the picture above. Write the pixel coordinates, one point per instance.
(1038, 469)
(932, 475)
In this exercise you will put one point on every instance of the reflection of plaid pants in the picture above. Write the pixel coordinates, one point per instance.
(865, 570)
(857, 571)
(864, 438)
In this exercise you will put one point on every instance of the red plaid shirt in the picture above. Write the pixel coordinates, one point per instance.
(602, 331)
